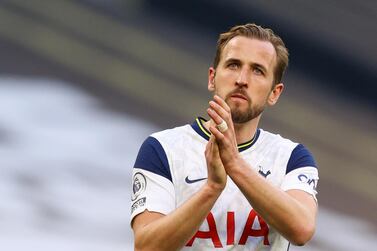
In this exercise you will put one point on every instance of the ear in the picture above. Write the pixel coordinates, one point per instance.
(275, 94)
(211, 79)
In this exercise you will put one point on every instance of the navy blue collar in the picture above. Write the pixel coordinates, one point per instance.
(198, 126)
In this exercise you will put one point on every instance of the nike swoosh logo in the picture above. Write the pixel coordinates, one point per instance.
(193, 181)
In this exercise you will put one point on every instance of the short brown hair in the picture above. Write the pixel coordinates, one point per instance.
(260, 33)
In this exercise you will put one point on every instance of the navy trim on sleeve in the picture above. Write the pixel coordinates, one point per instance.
(300, 157)
(152, 157)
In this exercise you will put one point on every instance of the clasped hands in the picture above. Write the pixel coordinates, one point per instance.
(221, 152)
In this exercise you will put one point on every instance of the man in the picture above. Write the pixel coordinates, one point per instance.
(225, 184)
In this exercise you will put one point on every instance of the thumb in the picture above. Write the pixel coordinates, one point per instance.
(215, 146)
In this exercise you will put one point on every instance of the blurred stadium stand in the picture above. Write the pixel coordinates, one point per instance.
(150, 59)
(330, 41)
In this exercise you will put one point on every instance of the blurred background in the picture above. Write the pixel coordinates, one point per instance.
(83, 83)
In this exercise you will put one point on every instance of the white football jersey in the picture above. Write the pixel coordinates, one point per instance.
(171, 167)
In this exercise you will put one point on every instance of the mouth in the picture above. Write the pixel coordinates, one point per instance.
(239, 96)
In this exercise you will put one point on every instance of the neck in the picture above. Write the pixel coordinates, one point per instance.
(244, 131)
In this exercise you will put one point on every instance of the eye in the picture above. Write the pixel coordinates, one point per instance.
(233, 66)
(258, 71)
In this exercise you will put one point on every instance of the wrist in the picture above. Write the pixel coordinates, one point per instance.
(234, 165)
(213, 189)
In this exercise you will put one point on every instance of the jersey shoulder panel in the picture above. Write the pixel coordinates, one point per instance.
(152, 157)
(300, 157)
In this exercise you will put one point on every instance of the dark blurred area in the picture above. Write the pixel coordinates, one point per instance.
(330, 41)
(149, 59)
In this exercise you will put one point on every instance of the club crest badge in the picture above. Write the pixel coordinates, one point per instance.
(263, 173)
(139, 185)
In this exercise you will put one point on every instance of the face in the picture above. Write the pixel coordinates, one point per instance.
(244, 77)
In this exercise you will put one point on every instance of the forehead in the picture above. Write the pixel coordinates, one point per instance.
(250, 50)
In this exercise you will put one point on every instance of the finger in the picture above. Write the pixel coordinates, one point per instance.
(214, 116)
(212, 140)
(219, 109)
(209, 144)
(209, 148)
(219, 118)
(218, 136)
(213, 149)
(213, 144)
(222, 103)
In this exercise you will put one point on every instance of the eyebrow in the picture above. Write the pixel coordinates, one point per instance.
(232, 60)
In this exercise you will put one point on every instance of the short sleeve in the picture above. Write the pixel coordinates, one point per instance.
(152, 188)
(301, 172)
(303, 178)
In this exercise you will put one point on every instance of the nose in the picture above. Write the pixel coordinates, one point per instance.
(242, 79)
